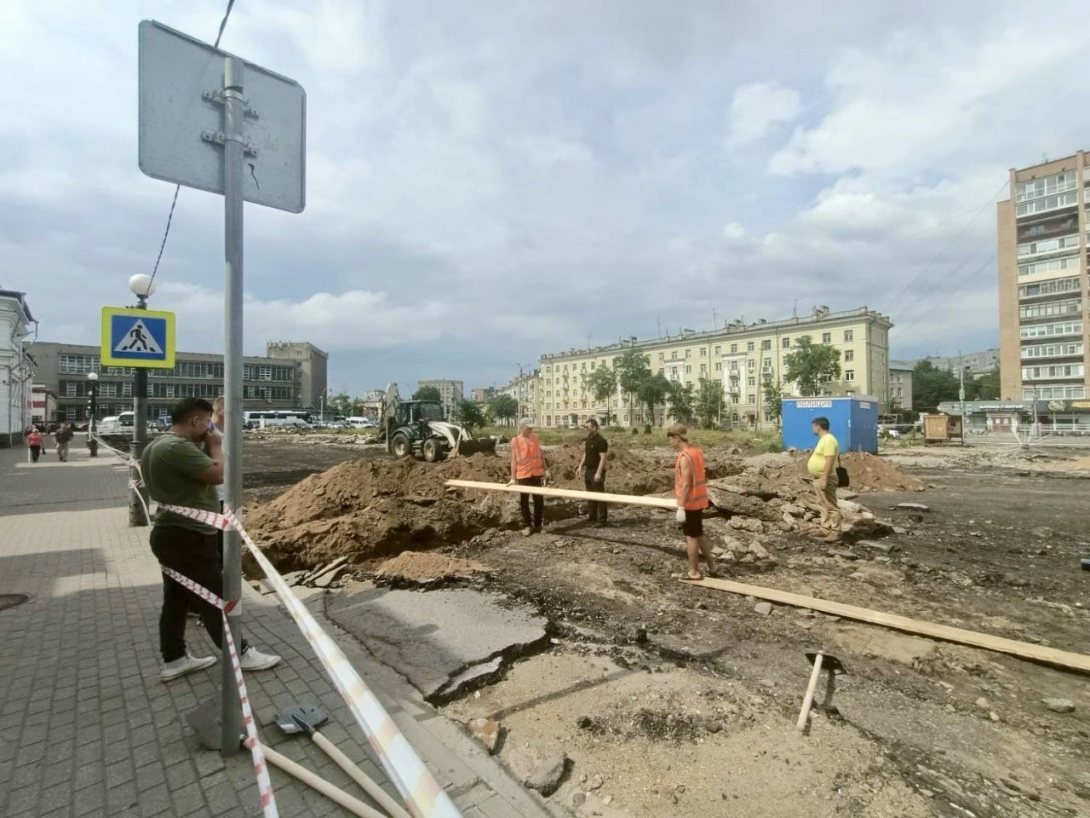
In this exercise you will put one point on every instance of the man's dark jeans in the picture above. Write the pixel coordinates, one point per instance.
(597, 512)
(524, 503)
(197, 556)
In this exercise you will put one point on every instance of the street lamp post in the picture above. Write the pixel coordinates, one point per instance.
(92, 384)
(141, 286)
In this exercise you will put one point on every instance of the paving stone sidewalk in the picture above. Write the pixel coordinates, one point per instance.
(87, 728)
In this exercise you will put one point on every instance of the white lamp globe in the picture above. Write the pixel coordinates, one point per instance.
(92, 376)
(141, 285)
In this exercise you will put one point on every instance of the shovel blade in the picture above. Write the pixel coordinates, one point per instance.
(288, 718)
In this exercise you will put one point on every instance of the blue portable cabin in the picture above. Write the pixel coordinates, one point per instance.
(852, 420)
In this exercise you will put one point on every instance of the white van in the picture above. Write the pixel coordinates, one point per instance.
(360, 423)
(266, 419)
(121, 424)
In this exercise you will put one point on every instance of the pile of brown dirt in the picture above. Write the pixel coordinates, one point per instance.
(869, 472)
(373, 508)
(423, 567)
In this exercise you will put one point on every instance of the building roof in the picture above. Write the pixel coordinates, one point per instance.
(21, 298)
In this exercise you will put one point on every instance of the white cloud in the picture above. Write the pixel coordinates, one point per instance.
(757, 108)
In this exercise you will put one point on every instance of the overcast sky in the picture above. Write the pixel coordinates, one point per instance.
(489, 181)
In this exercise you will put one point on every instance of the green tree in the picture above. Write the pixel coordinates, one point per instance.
(773, 398)
(602, 383)
(808, 364)
(633, 370)
(342, 404)
(986, 387)
(680, 399)
(651, 392)
(427, 393)
(709, 403)
(931, 386)
(471, 415)
(503, 407)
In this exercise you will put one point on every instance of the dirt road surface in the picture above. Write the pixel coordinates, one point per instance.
(673, 700)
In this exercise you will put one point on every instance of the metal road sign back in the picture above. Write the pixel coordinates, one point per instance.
(134, 337)
(181, 121)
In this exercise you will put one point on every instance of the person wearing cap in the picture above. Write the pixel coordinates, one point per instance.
(528, 468)
(691, 493)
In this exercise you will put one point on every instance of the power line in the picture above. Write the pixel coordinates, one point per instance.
(177, 188)
(899, 294)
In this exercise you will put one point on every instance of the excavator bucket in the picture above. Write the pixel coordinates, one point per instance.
(476, 446)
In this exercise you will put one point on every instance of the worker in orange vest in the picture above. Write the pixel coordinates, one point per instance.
(528, 469)
(691, 493)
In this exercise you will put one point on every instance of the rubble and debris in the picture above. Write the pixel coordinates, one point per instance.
(427, 568)
(912, 507)
(487, 732)
(547, 776)
(1059, 705)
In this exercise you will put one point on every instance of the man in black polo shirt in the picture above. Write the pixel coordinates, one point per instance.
(593, 466)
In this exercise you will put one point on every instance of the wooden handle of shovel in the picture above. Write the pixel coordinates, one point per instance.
(808, 701)
(333, 793)
(382, 798)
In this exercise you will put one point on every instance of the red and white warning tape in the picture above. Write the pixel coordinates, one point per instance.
(414, 781)
(261, 767)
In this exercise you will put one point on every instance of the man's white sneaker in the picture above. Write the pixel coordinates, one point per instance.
(253, 659)
(187, 664)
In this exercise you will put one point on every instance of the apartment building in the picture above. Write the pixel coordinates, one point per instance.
(526, 390)
(1042, 246)
(313, 369)
(268, 382)
(450, 393)
(742, 357)
(900, 386)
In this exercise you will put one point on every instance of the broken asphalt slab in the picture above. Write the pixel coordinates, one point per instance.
(445, 642)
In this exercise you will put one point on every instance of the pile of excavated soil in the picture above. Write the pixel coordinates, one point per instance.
(426, 567)
(374, 508)
(869, 472)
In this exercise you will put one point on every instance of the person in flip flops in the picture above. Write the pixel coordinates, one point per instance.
(691, 493)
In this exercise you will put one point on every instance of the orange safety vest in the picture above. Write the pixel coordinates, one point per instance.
(526, 452)
(698, 495)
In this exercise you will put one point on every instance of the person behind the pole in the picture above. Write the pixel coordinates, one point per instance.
(528, 468)
(179, 471)
(691, 493)
(63, 436)
(34, 442)
(822, 468)
(593, 467)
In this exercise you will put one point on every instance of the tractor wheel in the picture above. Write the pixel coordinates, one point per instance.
(433, 450)
(400, 446)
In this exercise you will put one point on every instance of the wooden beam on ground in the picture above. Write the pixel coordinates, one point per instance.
(568, 494)
(946, 633)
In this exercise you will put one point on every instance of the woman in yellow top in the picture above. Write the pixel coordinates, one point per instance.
(822, 467)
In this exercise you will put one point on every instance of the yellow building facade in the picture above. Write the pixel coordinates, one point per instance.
(742, 357)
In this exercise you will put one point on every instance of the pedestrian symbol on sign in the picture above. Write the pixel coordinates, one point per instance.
(138, 339)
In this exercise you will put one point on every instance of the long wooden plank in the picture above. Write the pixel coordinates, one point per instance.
(946, 633)
(569, 494)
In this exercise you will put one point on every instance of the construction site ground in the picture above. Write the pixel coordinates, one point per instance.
(674, 700)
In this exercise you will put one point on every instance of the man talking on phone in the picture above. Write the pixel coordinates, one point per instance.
(183, 468)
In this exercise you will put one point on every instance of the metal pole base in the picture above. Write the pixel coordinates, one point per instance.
(207, 722)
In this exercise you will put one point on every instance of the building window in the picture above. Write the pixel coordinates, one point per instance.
(786, 343)
(749, 346)
(70, 389)
(1051, 308)
(849, 355)
(766, 345)
(688, 369)
(703, 369)
(1055, 329)
(751, 381)
(1050, 287)
(718, 366)
(733, 349)
(849, 374)
(1050, 265)
(849, 336)
(703, 351)
(718, 349)
(688, 353)
(826, 337)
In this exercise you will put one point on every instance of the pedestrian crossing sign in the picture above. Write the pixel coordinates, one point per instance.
(135, 337)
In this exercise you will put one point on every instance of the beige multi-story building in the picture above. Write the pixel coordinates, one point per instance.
(525, 390)
(900, 386)
(1043, 281)
(742, 357)
(450, 393)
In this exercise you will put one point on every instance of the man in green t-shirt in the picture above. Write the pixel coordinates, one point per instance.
(822, 468)
(183, 468)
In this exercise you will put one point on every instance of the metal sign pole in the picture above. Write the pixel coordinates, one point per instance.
(233, 123)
